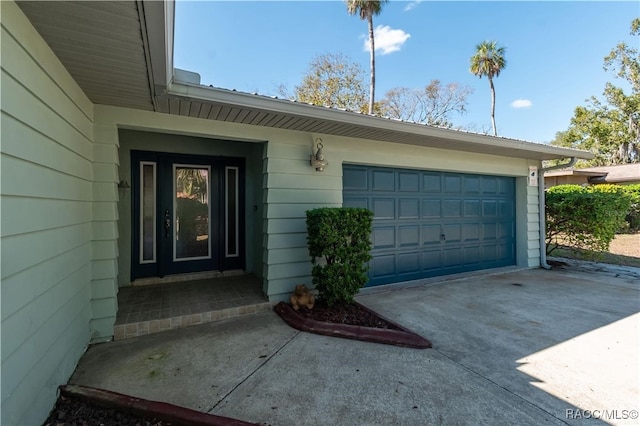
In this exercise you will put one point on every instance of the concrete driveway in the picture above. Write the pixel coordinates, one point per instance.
(520, 347)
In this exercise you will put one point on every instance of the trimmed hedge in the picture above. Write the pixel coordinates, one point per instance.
(585, 217)
(339, 245)
(633, 217)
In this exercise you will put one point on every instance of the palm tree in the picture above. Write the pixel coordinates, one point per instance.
(489, 61)
(367, 9)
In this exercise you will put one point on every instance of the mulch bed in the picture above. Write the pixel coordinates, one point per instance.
(70, 411)
(352, 321)
(352, 314)
(86, 406)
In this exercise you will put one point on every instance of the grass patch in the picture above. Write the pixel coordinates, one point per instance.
(614, 259)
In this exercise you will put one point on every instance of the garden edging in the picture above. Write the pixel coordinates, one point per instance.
(402, 337)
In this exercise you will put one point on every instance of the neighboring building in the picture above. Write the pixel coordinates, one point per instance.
(625, 174)
(102, 143)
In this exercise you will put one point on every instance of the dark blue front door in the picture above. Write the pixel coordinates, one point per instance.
(188, 213)
(429, 223)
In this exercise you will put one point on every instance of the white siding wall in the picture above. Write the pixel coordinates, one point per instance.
(46, 197)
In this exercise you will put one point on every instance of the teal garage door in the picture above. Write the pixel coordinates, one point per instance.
(429, 223)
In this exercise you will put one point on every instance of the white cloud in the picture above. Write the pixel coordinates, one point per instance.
(521, 103)
(387, 39)
(412, 5)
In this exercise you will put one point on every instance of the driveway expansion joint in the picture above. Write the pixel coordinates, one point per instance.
(240, 383)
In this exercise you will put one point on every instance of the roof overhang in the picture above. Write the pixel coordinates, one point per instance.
(212, 103)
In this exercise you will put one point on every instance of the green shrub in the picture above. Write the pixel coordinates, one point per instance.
(633, 217)
(339, 246)
(584, 217)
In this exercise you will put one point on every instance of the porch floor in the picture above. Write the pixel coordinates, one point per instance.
(154, 308)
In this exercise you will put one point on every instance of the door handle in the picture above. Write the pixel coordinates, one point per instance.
(167, 223)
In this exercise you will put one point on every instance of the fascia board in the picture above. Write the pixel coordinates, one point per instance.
(159, 21)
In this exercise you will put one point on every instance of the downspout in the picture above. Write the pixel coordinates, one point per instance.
(543, 218)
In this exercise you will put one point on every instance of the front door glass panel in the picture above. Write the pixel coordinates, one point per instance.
(192, 210)
(147, 212)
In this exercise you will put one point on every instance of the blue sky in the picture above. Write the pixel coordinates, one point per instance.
(554, 50)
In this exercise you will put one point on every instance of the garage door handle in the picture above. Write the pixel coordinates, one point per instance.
(443, 237)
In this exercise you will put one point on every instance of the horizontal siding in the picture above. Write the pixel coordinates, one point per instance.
(29, 109)
(22, 141)
(290, 181)
(42, 182)
(36, 81)
(278, 241)
(278, 195)
(533, 227)
(16, 296)
(291, 187)
(43, 362)
(22, 215)
(296, 254)
(47, 191)
(23, 251)
(293, 210)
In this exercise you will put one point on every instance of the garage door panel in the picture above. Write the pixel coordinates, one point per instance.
(472, 185)
(452, 208)
(384, 237)
(384, 208)
(362, 203)
(489, 231)
(471, 232)
(489, 253)
(430, 223)
(431, 183)
(471, 255)
(431, 234)
(489, 208)
(472, 208)
(505, 230)
(505, 209)
(452, 257)
(408, 236)
(431, 260)
(489, 185)
(409, 263)
(452, 184)
(409, 182)
(431, 208)
(382, 266)
(452, 233)
(383, 180)
(408, 208)
(355, 179)
(506, 186)
(505, 252)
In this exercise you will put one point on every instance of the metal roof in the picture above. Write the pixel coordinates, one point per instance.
(121, 54)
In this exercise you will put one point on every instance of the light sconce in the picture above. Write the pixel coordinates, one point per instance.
(123, 184)
(318, 161)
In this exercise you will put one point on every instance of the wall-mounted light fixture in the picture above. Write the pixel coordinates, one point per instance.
(123, 184)
(318, 161)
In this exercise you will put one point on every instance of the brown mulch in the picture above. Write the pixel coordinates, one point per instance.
(74, 412)
(351, 314)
